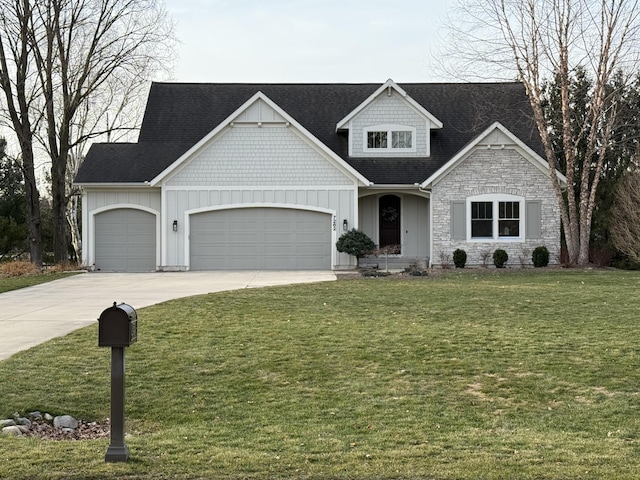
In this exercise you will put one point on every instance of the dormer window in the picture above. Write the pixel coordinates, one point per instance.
(390, 138)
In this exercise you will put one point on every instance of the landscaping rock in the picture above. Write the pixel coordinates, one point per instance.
(64, 427)
(65, 421)
(12, 430)
(23, 421)
(36, 415)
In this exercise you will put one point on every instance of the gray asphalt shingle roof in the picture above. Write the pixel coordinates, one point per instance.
(178, 115)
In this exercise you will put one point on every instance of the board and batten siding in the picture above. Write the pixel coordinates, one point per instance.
(180, 204)
(494, 171)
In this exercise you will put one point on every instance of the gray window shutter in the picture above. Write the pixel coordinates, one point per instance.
(458, 220)
(534, 219)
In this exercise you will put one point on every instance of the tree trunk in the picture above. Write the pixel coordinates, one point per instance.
(74, 229)
(34, 220)
(58, 192)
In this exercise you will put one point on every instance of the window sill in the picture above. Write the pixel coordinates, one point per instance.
(496, 240)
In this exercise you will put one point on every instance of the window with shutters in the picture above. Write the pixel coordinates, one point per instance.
(495, 217)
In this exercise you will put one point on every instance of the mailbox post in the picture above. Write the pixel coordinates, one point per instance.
(118, 328)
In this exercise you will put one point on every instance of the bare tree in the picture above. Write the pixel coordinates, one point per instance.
(114, 114)
(83, 48)
(625, 221)
(87, 62)
(537, 40)
(20, 93)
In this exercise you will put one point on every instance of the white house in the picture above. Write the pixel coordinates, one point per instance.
(268, 176)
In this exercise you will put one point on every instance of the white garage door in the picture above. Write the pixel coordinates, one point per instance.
(125, 241)
(260, 239)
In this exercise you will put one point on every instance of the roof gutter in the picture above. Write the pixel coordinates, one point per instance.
(118, 185)
(397, 186)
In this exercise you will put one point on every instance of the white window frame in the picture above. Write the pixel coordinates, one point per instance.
(495, 199)
(389, 129)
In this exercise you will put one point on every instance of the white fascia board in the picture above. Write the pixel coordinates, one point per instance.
(435, 123)
(288, 118)
(394, 186)
(527, 152)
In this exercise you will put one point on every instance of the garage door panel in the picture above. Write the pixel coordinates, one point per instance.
(278, 250)
(260, 238)
(125, 240)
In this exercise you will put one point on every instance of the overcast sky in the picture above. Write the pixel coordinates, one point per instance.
(307, 40)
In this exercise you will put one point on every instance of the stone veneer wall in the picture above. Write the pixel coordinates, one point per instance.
(494, 171)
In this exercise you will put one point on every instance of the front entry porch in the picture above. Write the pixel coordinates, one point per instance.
(399, 224)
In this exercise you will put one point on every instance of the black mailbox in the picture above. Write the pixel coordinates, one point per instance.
(118, 326)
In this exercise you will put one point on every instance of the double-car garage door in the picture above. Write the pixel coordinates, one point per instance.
(260, 239)
(234, 239)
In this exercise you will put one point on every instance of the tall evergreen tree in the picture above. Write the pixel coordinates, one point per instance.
(13, 228)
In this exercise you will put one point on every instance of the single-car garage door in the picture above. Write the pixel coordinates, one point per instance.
(260, 239)
(125, 240)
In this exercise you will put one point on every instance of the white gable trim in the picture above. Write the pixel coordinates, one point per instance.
(526, 151)
(389, 84)
(231, 118)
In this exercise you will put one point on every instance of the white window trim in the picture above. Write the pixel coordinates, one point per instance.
(389, 128)
(495, 199)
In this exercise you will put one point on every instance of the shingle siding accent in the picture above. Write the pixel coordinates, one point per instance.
(487, 171)
(252, 155)
(388, 110)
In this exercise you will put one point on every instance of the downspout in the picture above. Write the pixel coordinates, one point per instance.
(422, 190)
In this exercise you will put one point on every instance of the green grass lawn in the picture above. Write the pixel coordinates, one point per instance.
(15, 283)
(469, 376)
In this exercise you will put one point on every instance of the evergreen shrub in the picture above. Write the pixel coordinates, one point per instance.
(500, 257)
(540, 256)
(459, 258)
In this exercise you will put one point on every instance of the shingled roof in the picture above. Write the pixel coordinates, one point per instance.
(178, 115)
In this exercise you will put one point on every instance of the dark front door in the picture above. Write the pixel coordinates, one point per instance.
(389, 221)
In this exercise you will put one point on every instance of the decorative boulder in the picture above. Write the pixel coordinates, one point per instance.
(65, 421)
(12, 430)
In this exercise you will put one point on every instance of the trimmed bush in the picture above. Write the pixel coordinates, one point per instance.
(356, 243)
(540, 256)
(459, 258)
(500, 257)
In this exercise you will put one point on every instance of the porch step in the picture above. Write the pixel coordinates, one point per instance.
(392, 263)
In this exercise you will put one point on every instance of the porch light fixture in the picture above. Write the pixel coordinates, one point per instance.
(175, 225)
(345, 225)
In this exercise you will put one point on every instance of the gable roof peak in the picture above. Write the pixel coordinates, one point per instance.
(388, 86)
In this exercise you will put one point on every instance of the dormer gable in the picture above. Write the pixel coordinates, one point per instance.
(389, 123)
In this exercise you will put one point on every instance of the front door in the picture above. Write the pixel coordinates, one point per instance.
(389, 222)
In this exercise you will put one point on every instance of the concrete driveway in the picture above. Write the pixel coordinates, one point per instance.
(33, 315)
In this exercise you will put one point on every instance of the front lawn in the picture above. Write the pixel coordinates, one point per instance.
(529, 375)
(14, 283)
